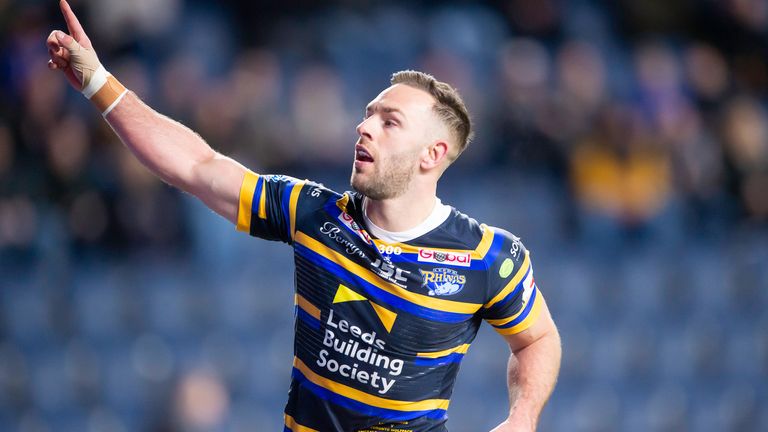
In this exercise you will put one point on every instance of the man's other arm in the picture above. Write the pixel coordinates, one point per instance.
(532, 372)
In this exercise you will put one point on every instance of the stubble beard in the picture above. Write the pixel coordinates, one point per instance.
(391, 181)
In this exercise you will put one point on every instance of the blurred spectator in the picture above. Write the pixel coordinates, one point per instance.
(745, 137)
(621, 175)
(201, 402)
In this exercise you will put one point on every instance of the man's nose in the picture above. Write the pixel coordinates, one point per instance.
(363, 129)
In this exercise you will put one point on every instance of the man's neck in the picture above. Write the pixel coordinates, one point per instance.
(402, 213)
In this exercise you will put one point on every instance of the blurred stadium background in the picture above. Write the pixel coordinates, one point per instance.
(626, 142)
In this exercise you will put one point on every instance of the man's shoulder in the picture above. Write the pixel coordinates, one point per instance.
(469, 228)
(315, 189)
(314, 199)
(495, 244)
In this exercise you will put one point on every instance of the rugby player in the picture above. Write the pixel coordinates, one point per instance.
(391, 284)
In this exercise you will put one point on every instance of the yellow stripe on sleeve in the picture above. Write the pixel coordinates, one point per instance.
(527, 322)
(461, 349)
(263, 202)
(485, 242)
(502, 321)
(291, 424)
(360, 396)
(513, 283)
(292, 206)
(247, 189)
(308, 307)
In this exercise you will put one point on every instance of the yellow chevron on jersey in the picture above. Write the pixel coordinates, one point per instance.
(344, 294)
(368, 399)
(372, 278)
(386, 316)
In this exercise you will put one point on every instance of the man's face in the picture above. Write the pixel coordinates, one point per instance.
(392, 136)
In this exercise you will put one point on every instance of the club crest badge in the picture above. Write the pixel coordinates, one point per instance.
(443, 281)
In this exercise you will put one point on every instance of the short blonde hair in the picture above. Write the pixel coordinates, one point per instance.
(449, 106)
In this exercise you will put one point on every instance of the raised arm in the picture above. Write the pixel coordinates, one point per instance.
(172, 151)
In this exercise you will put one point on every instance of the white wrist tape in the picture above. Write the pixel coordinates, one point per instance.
(104, 90)
(98, 79)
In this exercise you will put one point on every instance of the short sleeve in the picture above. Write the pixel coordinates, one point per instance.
(514, 302)
(269, 205)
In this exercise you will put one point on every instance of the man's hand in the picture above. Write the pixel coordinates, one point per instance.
(512, 426)
(72, 53)
(172, 151)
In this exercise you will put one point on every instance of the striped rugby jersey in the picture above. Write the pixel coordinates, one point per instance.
(380, 327)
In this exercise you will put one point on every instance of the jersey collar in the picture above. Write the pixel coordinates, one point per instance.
(439, 214)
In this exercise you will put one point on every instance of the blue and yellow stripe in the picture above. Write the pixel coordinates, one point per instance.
(364, 403)
(451, 355)
(378, 288)
(289, 201)
(253, 200)
(292, 426)
(513, 287)
(307, 311)
(521, 320)
(250, 194)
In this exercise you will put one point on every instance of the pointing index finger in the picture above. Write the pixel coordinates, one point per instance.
(75, 29)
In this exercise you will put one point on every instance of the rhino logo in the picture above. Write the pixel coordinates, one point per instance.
(443, 281)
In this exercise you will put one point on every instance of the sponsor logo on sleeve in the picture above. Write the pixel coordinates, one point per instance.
(444, 257)
(506, 268)
(517, 247)
(443, 281)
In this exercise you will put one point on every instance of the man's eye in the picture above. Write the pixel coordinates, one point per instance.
(389, 123)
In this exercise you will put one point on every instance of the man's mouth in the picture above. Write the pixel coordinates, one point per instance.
(362, 155)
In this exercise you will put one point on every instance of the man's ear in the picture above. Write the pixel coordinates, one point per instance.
(435, 155)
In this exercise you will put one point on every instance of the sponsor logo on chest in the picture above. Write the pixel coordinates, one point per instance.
(334, 233)
(444, 257)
